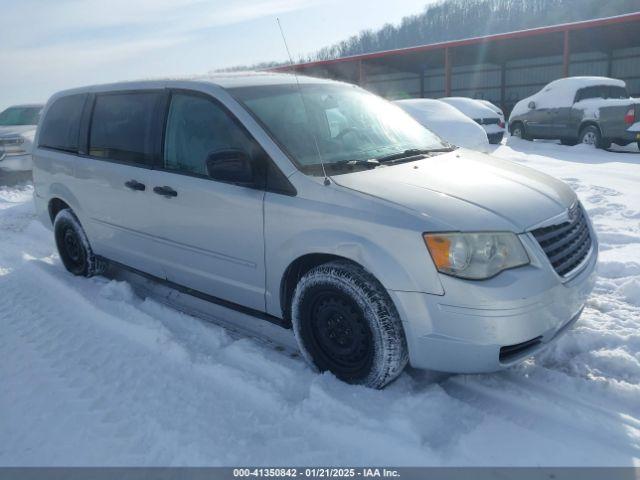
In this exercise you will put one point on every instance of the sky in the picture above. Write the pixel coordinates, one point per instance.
(51, 45)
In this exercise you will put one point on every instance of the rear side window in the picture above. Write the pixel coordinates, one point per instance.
(61, 125)
(618, 92)
(124, 126)
(601, 91)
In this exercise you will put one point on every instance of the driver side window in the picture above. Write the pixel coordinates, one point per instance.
(196, 128)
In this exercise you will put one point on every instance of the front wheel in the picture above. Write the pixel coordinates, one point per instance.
(73, 246)
(346, 323)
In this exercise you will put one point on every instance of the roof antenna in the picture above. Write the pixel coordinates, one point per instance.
(304, 103)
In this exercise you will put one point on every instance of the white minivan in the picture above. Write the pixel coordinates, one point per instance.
(319, 207)
(449, 123)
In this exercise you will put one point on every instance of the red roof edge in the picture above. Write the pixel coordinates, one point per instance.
(598, 22)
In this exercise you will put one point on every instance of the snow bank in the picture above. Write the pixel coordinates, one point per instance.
(630, 291)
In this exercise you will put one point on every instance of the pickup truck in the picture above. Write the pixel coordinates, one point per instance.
(597, 111)
(17, 129)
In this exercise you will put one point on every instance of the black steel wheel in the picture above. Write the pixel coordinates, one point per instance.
(338, 333)
(346, 323)
(73, 246)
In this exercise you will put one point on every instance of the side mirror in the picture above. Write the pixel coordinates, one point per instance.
(231, 166)
(532, 105)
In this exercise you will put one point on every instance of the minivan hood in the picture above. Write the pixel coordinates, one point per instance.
(466, 190)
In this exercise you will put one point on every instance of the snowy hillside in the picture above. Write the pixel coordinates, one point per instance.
(91, 374)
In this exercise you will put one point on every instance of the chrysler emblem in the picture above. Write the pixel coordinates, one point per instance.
(573, 213)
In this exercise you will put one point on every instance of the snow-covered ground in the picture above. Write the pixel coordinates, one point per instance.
(91, 374)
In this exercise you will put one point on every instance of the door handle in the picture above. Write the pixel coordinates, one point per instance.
(165, 191)
(135, 185)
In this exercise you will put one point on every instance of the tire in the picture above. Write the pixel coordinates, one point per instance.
(518, 131)
(590, 135)
(345, 323)
(568, 141)
(73, 246)
(638, 145)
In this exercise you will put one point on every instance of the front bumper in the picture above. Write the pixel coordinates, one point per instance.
(632, 136)
(17, 161)
(485, 326)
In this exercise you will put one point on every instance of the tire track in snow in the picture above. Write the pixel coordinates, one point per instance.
(532, 404)
(95, 367)
(70, 352)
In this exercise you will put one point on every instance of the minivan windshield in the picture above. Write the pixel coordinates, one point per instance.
(20, 116)
(345, 124)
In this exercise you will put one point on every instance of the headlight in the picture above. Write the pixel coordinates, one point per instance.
(475, 256)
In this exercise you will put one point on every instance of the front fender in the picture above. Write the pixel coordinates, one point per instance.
(393, 268)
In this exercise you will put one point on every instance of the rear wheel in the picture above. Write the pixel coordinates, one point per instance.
(346, 323)
(518, 131)
(73, 246)
(591, 136)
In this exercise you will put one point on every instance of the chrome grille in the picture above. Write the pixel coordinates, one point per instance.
(9, 141)
(566, 244)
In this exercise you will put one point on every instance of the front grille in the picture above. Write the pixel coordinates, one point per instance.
(11, 141)
(566, 244)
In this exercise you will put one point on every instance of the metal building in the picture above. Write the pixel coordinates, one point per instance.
(502, 68)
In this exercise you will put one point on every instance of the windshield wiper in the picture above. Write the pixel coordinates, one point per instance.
(370, 163)
(411, 153)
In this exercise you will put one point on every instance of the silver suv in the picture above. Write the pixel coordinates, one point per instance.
(319, 207)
